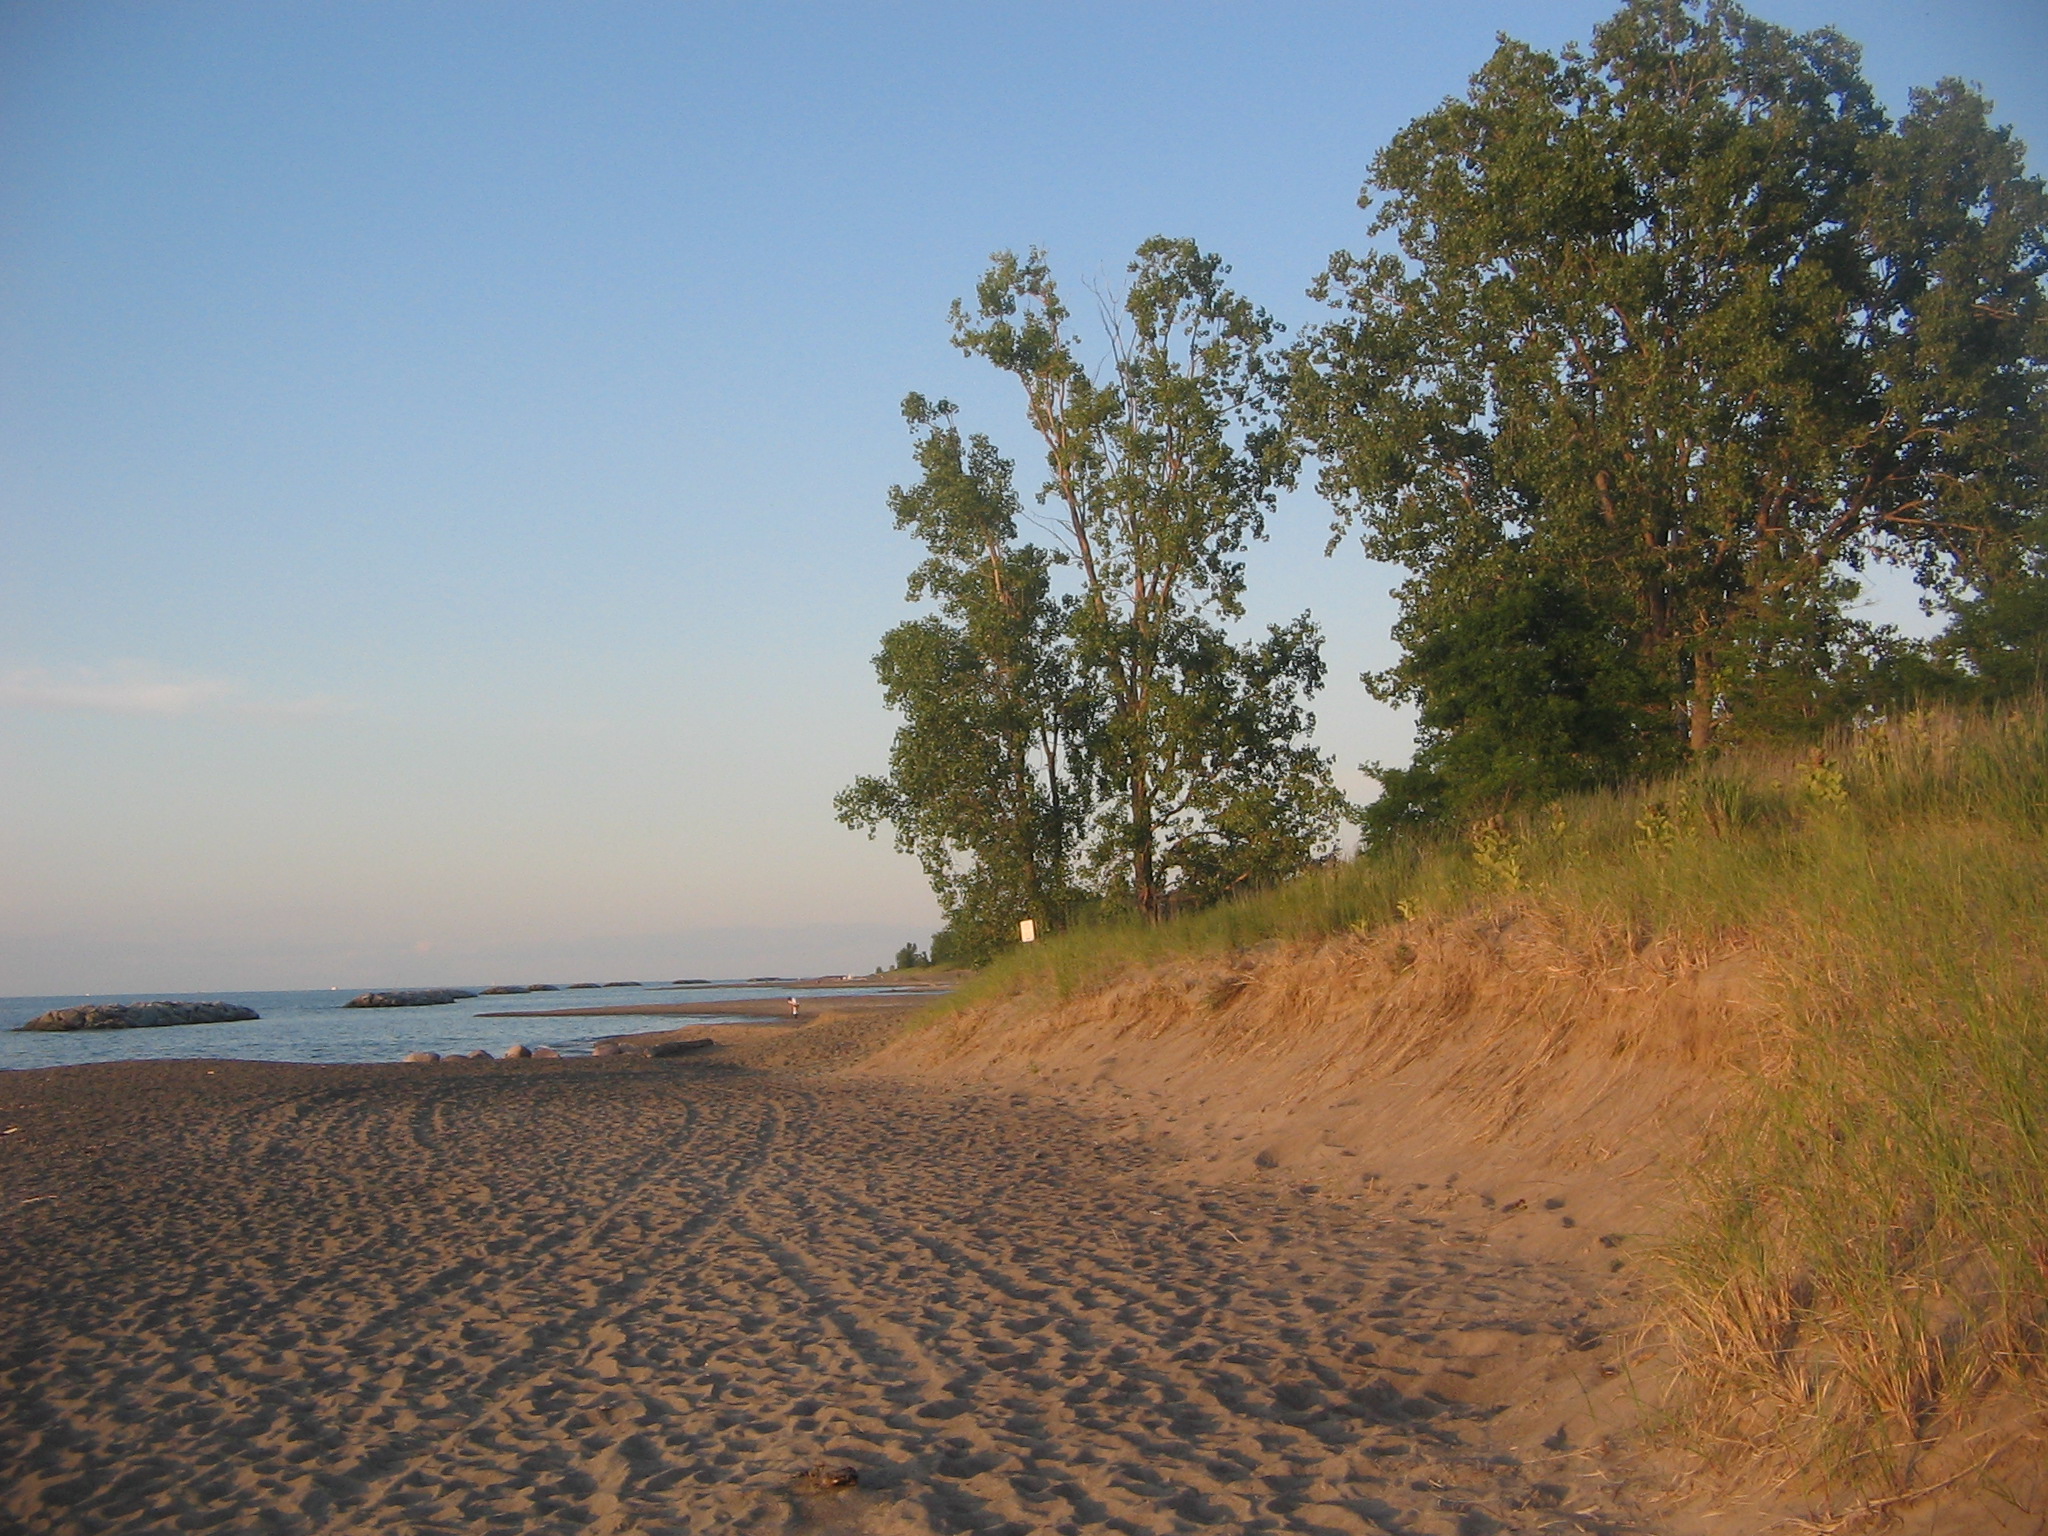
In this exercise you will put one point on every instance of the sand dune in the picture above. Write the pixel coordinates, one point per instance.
(640, 1296)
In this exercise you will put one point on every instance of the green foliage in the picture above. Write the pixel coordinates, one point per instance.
(1681, 332)
(988, 780)
(1527, 692)
(1160, 473)
(1998, 642)
(1115, 742)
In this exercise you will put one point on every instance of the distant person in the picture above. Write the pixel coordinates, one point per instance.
(792, 1007)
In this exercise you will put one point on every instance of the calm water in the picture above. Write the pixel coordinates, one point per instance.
(314, 1026)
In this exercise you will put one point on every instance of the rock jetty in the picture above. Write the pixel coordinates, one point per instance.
(414, 997)
(139, 1015)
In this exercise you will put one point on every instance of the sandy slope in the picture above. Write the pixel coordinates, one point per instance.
(625, 1295)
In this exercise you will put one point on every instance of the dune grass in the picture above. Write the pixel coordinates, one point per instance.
(1865, 1246)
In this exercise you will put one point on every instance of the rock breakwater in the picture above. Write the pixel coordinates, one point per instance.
(414, 997)
(138, 1016)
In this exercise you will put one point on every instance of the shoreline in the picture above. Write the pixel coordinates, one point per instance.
(752, 1008)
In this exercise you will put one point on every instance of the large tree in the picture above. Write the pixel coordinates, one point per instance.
(1160, 472)
(1679, 327)
(988, 778)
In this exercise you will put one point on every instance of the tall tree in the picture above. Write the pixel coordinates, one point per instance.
(1160, 473)
(1681, 325)
(986, 786)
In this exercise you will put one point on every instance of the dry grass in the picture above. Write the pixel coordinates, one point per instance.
(1862, 1253)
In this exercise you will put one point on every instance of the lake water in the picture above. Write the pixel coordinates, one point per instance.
(316, 1026)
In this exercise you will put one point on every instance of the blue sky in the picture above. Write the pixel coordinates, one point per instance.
(443, 447)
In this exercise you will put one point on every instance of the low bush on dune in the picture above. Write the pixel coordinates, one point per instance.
(1863, 1247)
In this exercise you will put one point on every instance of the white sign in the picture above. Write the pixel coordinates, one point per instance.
(1028, 931)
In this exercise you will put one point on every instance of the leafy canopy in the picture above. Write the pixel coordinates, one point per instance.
(1679, 332)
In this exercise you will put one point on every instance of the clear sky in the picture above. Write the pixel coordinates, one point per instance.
(443, 447)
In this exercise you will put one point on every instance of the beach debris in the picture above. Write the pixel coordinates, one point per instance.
(517, 1053)
(424, 1058)
(408, 997)
(11, 1130)
(37, 1199)
(828, 1478)
(681, 1047)
(662, 1048)
(138, 1015)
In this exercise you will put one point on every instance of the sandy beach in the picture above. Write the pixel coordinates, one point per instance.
(633, 1295)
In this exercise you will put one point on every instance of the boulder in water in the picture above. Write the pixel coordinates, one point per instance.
(517, 1053)
(424, 1058)
(408, 997)
(138, 1015)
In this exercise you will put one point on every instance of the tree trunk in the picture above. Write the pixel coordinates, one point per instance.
(1143, 879)
(1700, 734)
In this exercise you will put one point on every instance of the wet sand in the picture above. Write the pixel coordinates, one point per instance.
(745, 1008)
(630, 1295)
